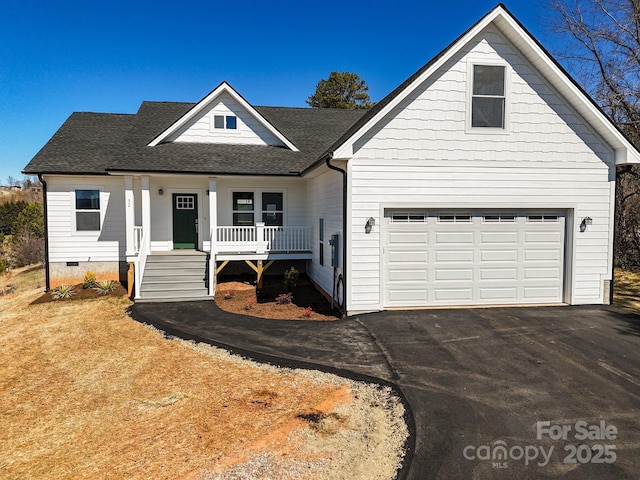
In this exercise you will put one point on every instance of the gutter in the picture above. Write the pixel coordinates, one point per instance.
(47, 282)
(328, 157)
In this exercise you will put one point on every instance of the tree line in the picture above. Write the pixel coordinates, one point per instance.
(21, 227)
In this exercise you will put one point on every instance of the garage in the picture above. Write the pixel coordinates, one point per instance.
(454, 257)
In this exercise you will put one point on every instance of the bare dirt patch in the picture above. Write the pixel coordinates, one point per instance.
(239, 295)
(86, 392)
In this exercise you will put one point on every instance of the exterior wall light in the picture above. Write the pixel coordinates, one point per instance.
(160, 191)
(585, 221)
(370, 223)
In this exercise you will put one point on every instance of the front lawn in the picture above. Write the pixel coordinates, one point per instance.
(87, 392)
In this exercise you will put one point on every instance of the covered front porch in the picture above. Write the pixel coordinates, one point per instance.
(224, 219)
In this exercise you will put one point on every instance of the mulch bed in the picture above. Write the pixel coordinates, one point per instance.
(236, 293)
(81, 294)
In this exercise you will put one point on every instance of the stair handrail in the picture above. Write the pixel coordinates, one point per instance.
(141, 262)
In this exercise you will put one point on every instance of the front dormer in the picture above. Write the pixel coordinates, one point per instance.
(223, 117)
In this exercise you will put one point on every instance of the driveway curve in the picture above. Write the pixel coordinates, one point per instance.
(505, 393)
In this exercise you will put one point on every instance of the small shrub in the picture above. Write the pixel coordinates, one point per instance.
(307, 312)
(3, 266)
(284, 299)
(229, 294)
(90, 280)
(291, 279)
(105, 287)
(62, 291)
(249, 304)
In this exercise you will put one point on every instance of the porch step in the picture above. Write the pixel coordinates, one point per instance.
(175, 277)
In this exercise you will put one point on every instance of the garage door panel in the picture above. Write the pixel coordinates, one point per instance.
(462, 256)
(499, 294)
(399, 238)
(499, 237)
(498, 273)
(408, 296)
(408, 256)
(479, 262)
(544, 273)
(499, 255)
(444, 274)
(543, 237)
(452, 238)
(539, 255)
(398, 275)
(453, 294)
(541, 293)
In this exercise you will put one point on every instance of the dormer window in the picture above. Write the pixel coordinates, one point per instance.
(488, 99)
(226, 122)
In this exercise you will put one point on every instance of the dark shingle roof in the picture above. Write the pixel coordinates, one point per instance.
(95, 143)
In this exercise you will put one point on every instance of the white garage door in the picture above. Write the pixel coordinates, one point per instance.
(473, 257)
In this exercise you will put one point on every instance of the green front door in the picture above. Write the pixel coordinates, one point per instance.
(185, 220)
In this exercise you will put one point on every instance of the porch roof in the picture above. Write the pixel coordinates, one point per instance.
(98, 143)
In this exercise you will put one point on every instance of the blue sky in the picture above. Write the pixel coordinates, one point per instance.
(57, 57)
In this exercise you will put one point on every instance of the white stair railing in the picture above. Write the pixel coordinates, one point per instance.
(141, 261)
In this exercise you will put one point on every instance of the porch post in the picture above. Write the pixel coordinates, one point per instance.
(146, 213)
(213, 234)
(129, 215)
(261, 246)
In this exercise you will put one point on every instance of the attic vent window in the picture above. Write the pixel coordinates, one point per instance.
(488, 96)
(225, 122)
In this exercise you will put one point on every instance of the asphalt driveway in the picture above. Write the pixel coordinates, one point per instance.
(511, 393)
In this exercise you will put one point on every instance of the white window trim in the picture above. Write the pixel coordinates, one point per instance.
(257, 197)
(507, 97)
(104, 196)
(234, 211)
(230, 131)
(262, 211)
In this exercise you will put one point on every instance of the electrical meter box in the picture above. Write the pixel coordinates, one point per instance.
(335, 249)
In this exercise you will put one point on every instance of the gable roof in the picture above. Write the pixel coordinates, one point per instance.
(99, 143)
(529, 46)
(95, 143)
(202, 105)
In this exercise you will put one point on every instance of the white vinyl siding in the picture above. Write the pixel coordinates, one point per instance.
(325, 194)
(422, 155)
(68, 245)
(248, 130)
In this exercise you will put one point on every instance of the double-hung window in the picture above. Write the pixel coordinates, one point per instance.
(272, 208)
(488, 99)
(87, 210)
(243, 208)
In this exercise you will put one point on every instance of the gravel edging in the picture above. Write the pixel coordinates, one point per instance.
(303, 367)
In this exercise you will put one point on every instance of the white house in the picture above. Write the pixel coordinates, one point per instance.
(486, 178)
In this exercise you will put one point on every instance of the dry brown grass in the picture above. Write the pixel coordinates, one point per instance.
(627, 289)
(86, 392)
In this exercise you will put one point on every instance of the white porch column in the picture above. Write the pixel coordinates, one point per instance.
(146, 213)
(213, 232)
(129, 215)
(213, 213)
(261, 245)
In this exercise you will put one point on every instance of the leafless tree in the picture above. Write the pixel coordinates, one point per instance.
(601, 47)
